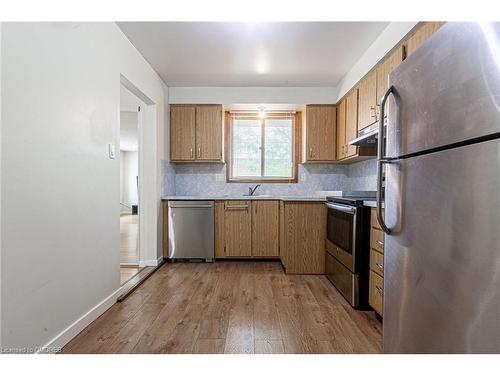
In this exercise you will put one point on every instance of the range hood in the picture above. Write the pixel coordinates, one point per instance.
(366, 137)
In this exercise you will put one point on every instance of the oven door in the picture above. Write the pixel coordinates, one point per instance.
(341, 233)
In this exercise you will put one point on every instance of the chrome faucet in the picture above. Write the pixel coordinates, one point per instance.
(252, 191)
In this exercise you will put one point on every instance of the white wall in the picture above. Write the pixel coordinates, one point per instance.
(253, 95)
(1, 342)
(60, 191)
(391, 36)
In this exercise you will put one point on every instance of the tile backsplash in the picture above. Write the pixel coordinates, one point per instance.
(363, 175)
(210, 179)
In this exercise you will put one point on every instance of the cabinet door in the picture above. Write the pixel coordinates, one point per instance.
(182, 132)
(383, 70)
(219, 228)
(282, 240)
(421, 35)
(237, 229)
(351, 121)
(305, 235)
(209, 132)
(320, 132)
(265, 228)
(341, 130)
(376, 293)
(367, 100)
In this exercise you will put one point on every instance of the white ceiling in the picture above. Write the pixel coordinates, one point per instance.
(252, 54)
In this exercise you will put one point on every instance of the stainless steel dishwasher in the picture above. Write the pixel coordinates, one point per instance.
(191, 230)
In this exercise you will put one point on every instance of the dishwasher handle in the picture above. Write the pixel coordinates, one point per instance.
(190, 205)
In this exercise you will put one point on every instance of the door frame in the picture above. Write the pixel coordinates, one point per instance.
(148, 172)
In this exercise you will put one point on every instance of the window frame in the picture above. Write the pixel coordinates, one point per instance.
(296, 144)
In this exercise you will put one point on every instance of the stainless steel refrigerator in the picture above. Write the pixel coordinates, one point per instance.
(442, 195)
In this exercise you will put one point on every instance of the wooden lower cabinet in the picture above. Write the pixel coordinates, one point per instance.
(237, 229)
(247, 229)
(219, 229)
(265, 228)
(302, 237)
(294, 232)
(377, 240)
(376, 288)
(376, 294)
(377, 262)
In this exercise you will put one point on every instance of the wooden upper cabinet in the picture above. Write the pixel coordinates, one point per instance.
(265, 228)
(209, 132)
(237, 229)
(341, 130)
(421, 35)
(351, 121)
(367, 102)
(383, 71)
(320, 133)
(182, 133)
(196, 133)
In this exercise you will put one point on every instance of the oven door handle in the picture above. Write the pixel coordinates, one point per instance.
(339, 207)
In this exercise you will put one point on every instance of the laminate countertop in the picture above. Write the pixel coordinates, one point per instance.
(291, 198)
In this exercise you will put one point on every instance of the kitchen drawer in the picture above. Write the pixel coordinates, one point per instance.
(377, 262)
(376, 296)
(345, 281)
(377, 240)
(374, 220)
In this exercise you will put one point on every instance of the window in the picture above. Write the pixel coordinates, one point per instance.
(261, 149)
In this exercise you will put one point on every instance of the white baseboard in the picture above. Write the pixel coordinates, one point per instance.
(81, 323)
(150, 263)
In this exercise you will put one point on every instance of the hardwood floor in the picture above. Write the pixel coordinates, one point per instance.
(231, 307)
(129, 227)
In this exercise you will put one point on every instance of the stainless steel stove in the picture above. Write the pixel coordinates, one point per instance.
(347, 245)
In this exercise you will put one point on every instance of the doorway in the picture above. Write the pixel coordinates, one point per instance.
(130, 122)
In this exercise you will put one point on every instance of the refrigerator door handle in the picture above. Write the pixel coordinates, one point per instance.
(381, 159)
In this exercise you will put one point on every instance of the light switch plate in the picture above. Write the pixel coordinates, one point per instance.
(111, 151)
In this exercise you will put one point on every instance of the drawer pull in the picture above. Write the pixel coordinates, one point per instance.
(379, 265)
(380, 243)
(239, 207)
(379, 289)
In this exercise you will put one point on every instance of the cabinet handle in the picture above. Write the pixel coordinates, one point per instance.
(310, 152)
(237, 207)
(191, 152)
(380, 243)
(379, 265)
(380, 290)
(199, 152)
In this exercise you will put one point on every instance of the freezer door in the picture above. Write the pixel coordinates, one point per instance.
(449, 89)
(442, 259)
